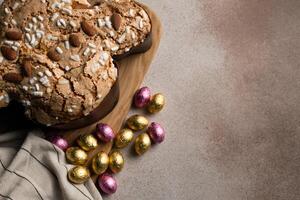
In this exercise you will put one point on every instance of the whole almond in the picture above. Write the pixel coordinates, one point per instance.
(88, 28)
(53, 55)
(27, 67)
(8, 53)
(116, 21)
(13, 77)
(74, 40)
(13, 34)
(81, 4)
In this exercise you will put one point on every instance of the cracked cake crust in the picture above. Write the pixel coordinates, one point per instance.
(57, 55)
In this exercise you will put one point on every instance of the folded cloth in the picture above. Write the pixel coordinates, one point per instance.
(33, 168)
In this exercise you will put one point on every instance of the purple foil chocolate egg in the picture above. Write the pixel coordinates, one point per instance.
(107, 183)
(156, 132)
(104, 132)
(59, 142)
(142, 97)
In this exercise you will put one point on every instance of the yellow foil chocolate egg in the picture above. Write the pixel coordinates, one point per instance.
(78, 174)
(87, 142)
(76, 156)
(156, 104)
(123, 138)
(137, 122)
(100, 163)
(116, 161)
(142, 143)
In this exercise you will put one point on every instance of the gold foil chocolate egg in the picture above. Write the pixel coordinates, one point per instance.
(76, 156)
(116, 161)
(137, 122)
(87, 142)
(156, 104)
(78, 174)
(100, 163)
(142, 143)
(123, 138)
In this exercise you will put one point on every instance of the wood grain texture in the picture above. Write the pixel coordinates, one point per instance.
(131, 74)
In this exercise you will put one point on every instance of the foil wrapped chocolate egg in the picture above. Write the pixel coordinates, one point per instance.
(116, 161)
(137, 122)
(156, 132)
(76, 156)
(105, 132)
(142, 143)
(60, 142)
(78, 174)
(156, 104)
(142, 97)
(123, 138)
(100, 163)
(87, 142)
(107, 183)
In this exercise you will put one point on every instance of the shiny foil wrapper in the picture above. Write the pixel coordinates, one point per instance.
(78, 174)
(137, 122)
(104, 132)
(123, 138)
(156, 132)
(142, 143)
(100, 163)
(87, 142)
(116, 161)
(60, 142)
(142, 97)
(156, 104)
(76, 156)
(107, 183)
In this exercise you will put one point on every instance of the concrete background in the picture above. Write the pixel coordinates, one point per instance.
(231, 74)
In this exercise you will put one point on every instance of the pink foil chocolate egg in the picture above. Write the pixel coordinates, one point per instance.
(59, 142)
(156, 132)
(104, 132)
(142, 97)
(107, 183)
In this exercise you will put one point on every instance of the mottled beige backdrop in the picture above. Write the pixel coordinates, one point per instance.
(230, 70)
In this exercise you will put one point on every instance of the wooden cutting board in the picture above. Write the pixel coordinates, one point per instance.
(131, 74)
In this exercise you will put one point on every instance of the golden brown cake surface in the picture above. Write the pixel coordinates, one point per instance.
(56, 55)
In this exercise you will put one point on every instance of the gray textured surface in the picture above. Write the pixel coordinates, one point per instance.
(230, 71)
